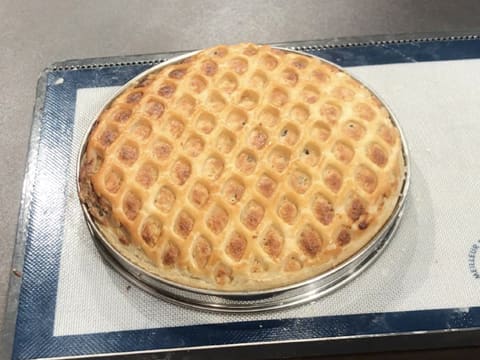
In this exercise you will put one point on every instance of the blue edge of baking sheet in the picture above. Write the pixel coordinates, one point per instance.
(36, 310)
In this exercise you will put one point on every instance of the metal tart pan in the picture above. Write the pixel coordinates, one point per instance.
(252, 301)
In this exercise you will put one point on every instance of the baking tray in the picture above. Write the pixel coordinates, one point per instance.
(29, 331)
(253, 301)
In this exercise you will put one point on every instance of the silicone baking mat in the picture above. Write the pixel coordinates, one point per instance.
(426, 282)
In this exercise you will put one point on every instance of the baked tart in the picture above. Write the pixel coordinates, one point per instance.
(242, 168)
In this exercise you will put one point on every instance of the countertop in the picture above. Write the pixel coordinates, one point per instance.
(33, 34)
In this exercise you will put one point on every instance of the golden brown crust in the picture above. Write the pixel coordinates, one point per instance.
(242, 168)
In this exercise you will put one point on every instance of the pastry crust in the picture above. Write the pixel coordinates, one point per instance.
(242, 168)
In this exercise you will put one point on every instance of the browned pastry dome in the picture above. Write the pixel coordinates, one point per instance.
(242, 168)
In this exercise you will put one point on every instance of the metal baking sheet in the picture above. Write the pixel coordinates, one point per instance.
(33, 321)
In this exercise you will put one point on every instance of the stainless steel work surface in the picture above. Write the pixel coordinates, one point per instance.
(35, 34)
